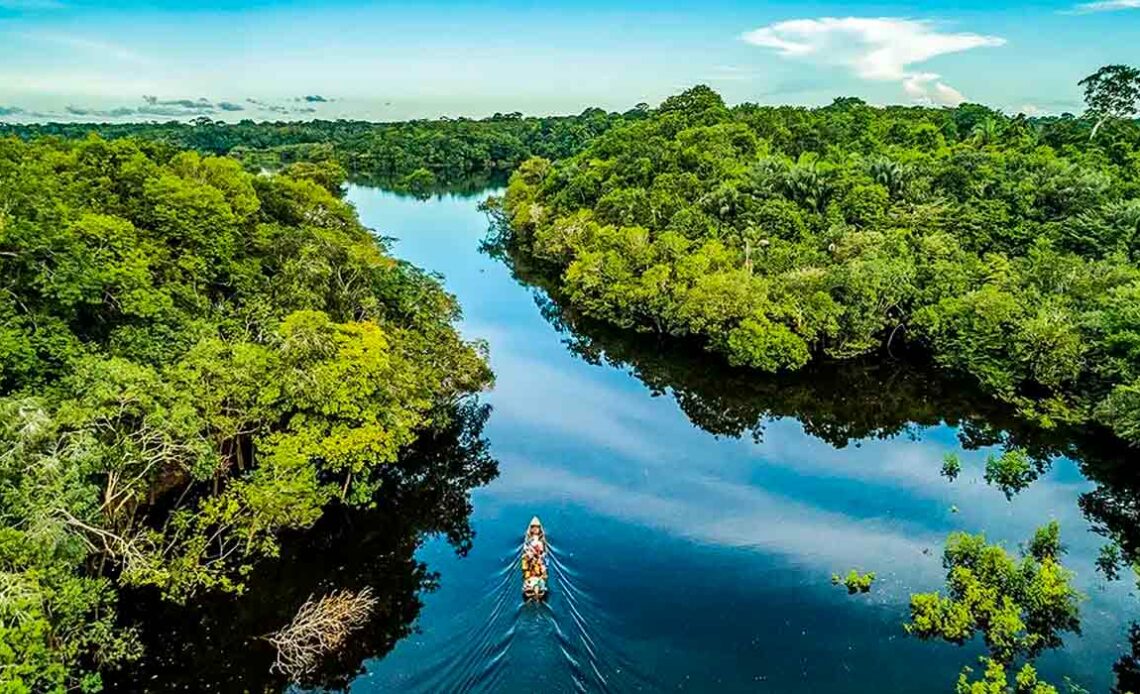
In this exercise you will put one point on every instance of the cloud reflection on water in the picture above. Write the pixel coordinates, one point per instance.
(588, 446)
(879, 504)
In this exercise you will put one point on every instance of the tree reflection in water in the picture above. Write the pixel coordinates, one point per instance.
(217, 643)
(1127, 669)
(880, 396)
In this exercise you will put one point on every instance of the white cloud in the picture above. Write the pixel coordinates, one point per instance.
(734, 515)
(878, 49)
(1106, 6)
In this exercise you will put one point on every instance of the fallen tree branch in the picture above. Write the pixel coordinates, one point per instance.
(319, 628)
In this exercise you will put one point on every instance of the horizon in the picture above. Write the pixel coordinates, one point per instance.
(305, 116)
(73, 61)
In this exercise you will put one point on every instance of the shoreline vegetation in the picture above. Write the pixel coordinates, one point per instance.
(1003, 248)
(844, 401)
(196, 361)
(418, 157)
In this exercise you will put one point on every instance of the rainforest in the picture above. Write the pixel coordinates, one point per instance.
(195, 361)
(1003, 248)
(249, 441)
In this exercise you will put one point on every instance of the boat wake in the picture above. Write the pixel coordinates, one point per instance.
(560, 644)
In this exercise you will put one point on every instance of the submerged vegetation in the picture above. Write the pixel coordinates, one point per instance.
(1010, 472)
(855, 582)
(320, 627)
(995, 680)
(195, 360)
(1005, 248)
(951, 466)
(1020, 607)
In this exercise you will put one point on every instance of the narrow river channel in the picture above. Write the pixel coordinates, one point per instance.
(687, 560)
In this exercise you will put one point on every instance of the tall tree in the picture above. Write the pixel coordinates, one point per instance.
(1112, 92)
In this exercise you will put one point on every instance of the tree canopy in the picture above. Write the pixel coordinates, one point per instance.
(194, 359)
(1003, 247)
(1020, 607)
(400, 155)
(1112, 92)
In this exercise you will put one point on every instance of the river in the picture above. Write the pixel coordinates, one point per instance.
(695, 515)
(687, 560)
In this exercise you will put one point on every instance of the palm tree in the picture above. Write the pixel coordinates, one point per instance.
(986, 132)
(889, 174)
(807, 185)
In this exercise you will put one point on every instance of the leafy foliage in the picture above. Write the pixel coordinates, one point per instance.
(842, 402)
(951, 466)
(1112, 92)
(1127, 667)
(1108, 561)
(215, 641)
(995, 680)
(196, 359)
(1010, 472)
(855, 582)
(1020, 607)
(1003, 247)
(415, 156)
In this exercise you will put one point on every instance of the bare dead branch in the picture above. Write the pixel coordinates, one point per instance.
(319, 628)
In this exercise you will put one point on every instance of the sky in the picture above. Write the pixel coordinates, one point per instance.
(302, 59)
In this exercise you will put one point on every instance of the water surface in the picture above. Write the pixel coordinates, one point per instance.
(696, 515)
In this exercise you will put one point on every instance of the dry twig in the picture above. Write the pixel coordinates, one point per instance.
(319, 628)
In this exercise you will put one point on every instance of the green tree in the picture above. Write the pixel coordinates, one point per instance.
(1020, 607)
(995, 680)
(859, 230)
(1112, 92)
(202, 359)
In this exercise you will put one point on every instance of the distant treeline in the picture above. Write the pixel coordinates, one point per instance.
(415, 155)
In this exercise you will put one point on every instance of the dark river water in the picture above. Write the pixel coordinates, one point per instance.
(695, 516)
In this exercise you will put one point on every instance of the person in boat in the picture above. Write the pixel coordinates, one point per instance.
(535, 545)
(534, 559)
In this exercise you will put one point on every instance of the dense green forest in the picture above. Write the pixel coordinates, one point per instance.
(1004, 247)
(417, 156)
(215, 641)
(202, 351)
(195, 360)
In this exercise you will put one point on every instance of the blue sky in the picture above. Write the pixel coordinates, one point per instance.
(82, 60)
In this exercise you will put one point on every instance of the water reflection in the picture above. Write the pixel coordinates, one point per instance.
(1084, 478)
(217, 644)
(850, 401)
(697, 511)
(468, 187)
(1127, 668)
(700, 511)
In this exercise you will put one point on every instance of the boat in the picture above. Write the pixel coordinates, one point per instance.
(534, 558)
